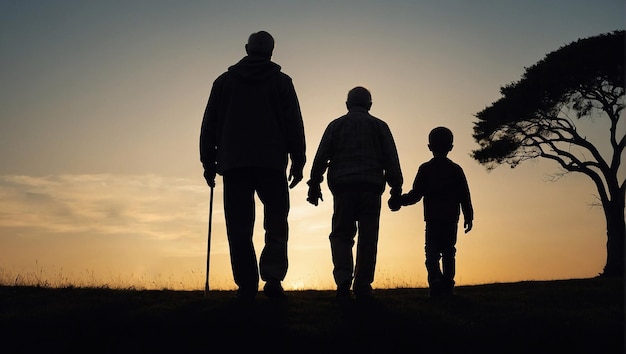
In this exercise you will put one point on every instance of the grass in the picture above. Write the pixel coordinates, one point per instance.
(566, 316)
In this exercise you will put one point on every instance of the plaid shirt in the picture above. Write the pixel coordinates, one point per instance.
(358, 148)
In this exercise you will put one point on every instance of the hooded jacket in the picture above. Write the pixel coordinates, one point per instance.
(252, 119)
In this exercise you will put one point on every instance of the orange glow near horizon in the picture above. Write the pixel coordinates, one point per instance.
(101, 106)
(507, 243)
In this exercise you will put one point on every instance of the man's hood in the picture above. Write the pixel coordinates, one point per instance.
(253, 68)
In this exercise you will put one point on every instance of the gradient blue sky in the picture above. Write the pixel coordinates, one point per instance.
(101, 104)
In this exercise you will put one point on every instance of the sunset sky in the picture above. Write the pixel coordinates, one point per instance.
(101, 104)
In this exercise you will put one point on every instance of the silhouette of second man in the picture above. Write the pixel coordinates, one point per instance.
(359, 152)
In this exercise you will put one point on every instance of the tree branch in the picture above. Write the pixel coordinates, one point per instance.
(596, 178)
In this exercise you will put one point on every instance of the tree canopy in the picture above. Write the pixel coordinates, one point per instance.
(537, 116)
(530, 119)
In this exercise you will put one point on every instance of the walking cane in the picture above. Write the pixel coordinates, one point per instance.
(208, 253)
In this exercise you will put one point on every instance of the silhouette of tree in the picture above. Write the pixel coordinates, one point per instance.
(536, 117)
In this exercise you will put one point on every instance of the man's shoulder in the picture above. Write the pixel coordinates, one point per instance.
(357, 116)
(383, 126)
(284, 80)
(221, 77)
(283, 75)
(367, 116)
(335, 122)
(279, 73)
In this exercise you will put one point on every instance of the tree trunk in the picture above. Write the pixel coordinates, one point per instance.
(616, 232)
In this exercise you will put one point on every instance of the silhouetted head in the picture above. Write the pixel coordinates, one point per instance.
(359, 97)
(260, 44)
(440, 140)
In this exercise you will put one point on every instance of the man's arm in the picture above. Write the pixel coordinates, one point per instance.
(320, 164)
(322, 157)
(393, 172)
(296, 143)
(208, 136)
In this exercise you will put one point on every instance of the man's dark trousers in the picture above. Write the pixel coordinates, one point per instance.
(355, 210)
(240, 186)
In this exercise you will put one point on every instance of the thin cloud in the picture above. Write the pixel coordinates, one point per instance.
(147, 206)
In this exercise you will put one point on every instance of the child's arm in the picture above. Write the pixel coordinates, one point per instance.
(466, 204)
(410, 198)
(417, 192)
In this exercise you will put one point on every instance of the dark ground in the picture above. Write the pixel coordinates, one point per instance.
(566, 316)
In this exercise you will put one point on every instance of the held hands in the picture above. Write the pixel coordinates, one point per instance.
(399, 200)
(315, 193)
(395, 202)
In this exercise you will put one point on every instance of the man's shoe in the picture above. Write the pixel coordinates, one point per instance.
(436, 292)
(245, 297)
(274, 290)
(448, 288)
(343, 291)
(364, 294)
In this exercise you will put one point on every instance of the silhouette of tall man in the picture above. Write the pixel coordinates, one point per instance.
(359, 151)
(252, 127)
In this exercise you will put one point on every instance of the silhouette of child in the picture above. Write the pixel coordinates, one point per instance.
(443, 186)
